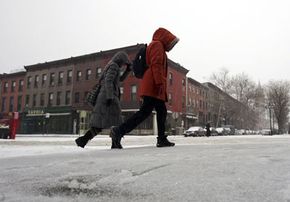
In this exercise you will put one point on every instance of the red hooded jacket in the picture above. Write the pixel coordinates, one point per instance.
(154, 82)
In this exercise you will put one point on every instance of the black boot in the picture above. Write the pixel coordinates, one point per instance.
(83, 140)
(116, 138)
(163, 142)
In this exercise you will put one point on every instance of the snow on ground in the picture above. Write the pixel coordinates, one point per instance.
(28, 145)
(221, 169)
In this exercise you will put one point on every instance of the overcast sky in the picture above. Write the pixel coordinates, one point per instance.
(250, 36)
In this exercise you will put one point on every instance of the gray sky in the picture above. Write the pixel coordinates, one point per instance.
(250, 36)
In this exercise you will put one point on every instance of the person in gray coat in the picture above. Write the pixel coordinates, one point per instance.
(107, 111)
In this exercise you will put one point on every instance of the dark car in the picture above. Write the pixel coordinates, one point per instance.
(4, 128)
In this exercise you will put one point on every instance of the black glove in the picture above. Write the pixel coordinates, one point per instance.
(109, 102)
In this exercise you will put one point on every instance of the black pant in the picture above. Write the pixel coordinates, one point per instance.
(149, 103)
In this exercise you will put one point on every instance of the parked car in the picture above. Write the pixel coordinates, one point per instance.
(195, 131)
(240, 132)
(213, 131)
(266, 132)
(220, 130)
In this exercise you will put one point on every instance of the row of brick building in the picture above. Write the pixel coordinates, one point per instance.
(50, 96)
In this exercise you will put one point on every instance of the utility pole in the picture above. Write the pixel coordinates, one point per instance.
(270, 120)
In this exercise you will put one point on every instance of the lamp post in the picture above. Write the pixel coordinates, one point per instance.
(270, 106)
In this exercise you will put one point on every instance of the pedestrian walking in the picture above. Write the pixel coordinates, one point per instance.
(207, 127)
(153, 92)
(107, 110)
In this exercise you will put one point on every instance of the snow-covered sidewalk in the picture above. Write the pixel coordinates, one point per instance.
(28, 145)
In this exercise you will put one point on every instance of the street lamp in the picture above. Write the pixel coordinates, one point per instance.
(270, 106)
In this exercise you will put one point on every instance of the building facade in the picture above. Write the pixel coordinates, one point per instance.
(51, 96)
(12, 91)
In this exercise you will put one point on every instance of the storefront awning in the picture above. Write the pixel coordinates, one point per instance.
(191, 117)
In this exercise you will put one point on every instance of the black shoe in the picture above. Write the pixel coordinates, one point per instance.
(116, 139)
(163, 142)
(83, 140)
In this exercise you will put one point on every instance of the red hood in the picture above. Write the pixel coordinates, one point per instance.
(166, 38)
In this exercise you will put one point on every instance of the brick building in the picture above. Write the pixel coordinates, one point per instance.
(197, 103)
(50, 96)
(12, 91)
(54, 98)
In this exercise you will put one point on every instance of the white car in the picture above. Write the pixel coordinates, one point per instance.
(195, 131)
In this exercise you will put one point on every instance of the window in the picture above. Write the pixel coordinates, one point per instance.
(98, 72)
(27, 99)
(13, 86)
(121, 93)
(88, 74)
(3, 104)
(60, 78)
(11, 103)
(77, 97)
(52, 78)
(79, 75)
(183, 82)
(19, 103)
(133, 93)
(34, 100)
(170, 78)
(5, 87)
(50, 99)
(29, 80)
(169, 98)
(41, 101)
(58, 97)
(44, 78)
(20, 86)
(183, 101)
(67, 97)
(69, 76)
(36, 80)
(189, 102)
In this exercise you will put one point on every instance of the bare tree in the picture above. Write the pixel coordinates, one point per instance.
(278, 96)
(243, 89)
(222, 79)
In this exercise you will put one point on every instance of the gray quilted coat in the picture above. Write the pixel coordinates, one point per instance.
(104, 116)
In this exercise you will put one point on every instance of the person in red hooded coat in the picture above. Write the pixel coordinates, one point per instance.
(153, 90)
